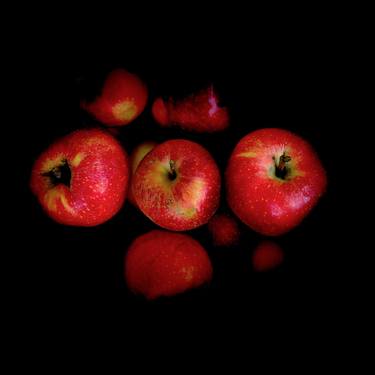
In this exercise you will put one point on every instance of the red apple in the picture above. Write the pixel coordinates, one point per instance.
(267, 256)
(177, 185)
(135, 158)
(161, 263)
(199, 112)
(82, 178)
(274, 178)
(123, 99)
(224, 230)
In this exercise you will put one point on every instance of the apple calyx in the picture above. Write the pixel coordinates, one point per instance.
(172, 173)
(60, 174)
(281, 170)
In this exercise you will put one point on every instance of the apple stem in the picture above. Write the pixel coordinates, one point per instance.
(172, 173)
(56, 172)
(59, 175)
(280, 167)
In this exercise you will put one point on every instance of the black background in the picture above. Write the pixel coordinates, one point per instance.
(292, 85)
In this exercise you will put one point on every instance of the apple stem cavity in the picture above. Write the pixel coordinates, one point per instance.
(60, 174)
(281, 169)
(172, 174)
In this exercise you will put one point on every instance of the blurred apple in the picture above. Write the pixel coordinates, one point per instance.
(122, 100)
(199, 112)
(161, 263)
(267, 256)
(135, 158)
(224, 230)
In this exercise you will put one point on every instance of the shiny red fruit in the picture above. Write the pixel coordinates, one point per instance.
(224, 230)
(82, 178)
(177, 185)
(267, 256)
(274, 178)
(123, 99)
(161, 263)
(199, 112)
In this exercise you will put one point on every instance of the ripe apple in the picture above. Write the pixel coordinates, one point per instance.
(266, 256)
(177, 185)
(82, 178)
(161, 263)
(199, 112)
(123, 98)
(136, 157)
(273, 179)
(224, 230)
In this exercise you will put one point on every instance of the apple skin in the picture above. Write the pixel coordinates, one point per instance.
(123, 99)
(224, 230)
(189, 198)
(267, 255)
(99, 178)
(199, 112)
(268, 204)
(136, 157)
(161, 263)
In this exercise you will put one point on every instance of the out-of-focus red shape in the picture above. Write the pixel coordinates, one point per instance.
(161, 263)
(160, 112)
(267, 256)
(224, 230)
(199, 112)
(136, 157)
(122, 99)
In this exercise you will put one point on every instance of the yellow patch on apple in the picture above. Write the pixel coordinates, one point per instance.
(188, 273)
(49, 164)
(247, 154)
(125, 110)
(187, 213)
(52, 197)
(194, 192)
(193, 195)
(95, 141)
(66, 205)
(76, 161)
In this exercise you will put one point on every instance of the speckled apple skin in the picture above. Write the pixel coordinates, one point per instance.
(161, 263)
(99, 178)
(267, 204)
(187, 202)
(122, 100)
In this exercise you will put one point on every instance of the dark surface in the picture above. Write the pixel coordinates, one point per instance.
(276, 88)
